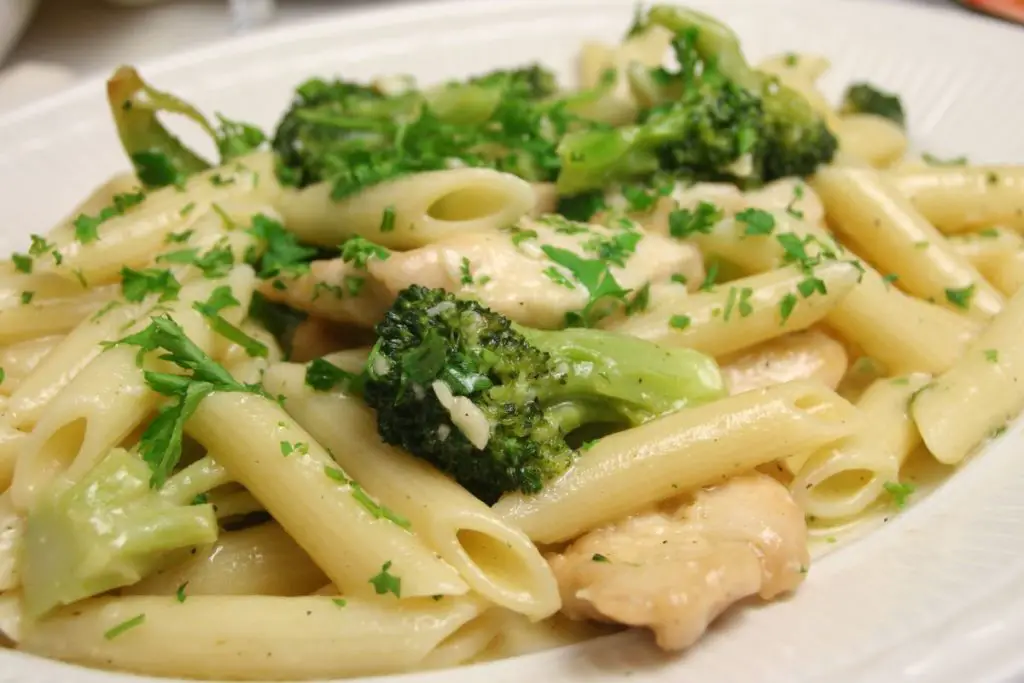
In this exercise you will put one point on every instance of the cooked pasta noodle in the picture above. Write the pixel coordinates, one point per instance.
(432, 376)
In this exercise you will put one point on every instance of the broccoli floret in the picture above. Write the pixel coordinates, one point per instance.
(110, 529)
(864, 98)
(714, 118)
(492, 403)
(354, 136)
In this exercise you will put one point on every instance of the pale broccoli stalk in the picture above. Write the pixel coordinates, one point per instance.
(158, 156)
(111, 529)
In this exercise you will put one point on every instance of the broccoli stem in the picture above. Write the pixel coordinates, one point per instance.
(614, 378)
(108, 530)
(159, 157)
(713, 41)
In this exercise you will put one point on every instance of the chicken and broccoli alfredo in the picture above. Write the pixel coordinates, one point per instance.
(432, 375)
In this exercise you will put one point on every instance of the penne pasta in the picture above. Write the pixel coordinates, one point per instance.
(960, 199)
(842, 479)
(875, 139)
(423, 208)
(997, 253)
(260, 560)
(110, 397)
(314, 500)
(43, 317)
(883, 225)
(744, 312)
(903, 333)
(19, 360)
(251, 637)
(630, 470)
(496, 560)
(811, 354)
(975, 398)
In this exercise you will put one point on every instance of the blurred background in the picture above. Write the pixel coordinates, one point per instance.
(46, 45)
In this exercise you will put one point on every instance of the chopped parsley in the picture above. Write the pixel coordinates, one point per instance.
(638, 199)
(595, 277)
(387, 219)
(26, 297)
(900, 492)
(992, 355)
(679, 279)
(22, 263)
(179, 237)
(616, 249)
(283, 254)
(519, 235)
(287, 448)
(222, 298)
(744, 305)
(322, 375)
(214, 264)
(810, 285)
(136, 285)
(359, 250)
(933, 160)
(709, 279)
(679, 322)
(890, 278)
(798, 194)
(340, 602)
(465, 272)
(757, 222)
(180, 593)
(160, 445)
(786, 306)
(683, 223)
(640, 301)
(87, 227)
(556, 276)
(598, 557)
(961, 298)
(124, 626)
(385, 583)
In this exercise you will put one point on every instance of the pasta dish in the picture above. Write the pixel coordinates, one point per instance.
(436, 375)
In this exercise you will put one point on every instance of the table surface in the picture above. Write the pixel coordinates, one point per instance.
(70, 39)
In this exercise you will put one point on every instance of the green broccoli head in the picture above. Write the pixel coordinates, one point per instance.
(492, 404)
(108, 530)
(712, 118)
(864, 98)
(355, 136)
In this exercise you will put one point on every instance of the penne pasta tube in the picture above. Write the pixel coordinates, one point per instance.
(12, 528)
(21, 359)
(12, 441)
(131, 238)
(886, 228)
(110, 398)
(975, 398)
(99, 199)
(466, 644)
(842, 479)
(10, 618)
(997, 253)
(411, 211)
(630, 470)
(260, 560)
(316, 502)
(903, 333)
(256, 638)
(964, 198)
(43, 317)
(743, 312)
(810, 354)
(875, 139)
(497, 560)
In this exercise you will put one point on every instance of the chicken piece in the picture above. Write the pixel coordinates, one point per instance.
(810, 354)
(675, 569)
(334, 290)
(509, 272)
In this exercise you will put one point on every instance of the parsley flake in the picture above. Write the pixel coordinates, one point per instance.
(679, 322)
(124, 626)
(387, 219)
(683, 222)
(385, 583)
(961, 298)
(900, 492)
(757, 222)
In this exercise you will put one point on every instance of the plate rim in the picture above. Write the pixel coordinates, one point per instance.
(369, 17)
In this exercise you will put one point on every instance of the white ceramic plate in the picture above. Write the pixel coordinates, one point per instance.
(937, 594)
